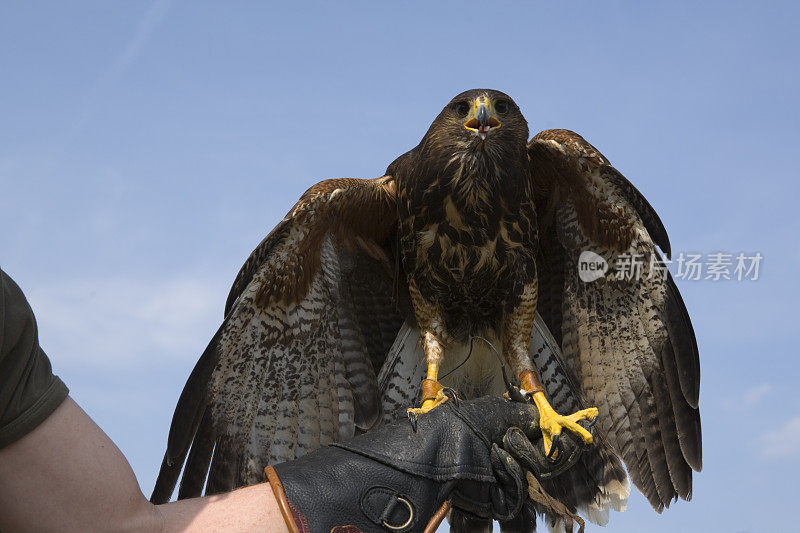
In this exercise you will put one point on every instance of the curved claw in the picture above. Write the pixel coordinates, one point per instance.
(412, 417)
(590, 424)
(551, 423)
(555, 447)
(451, 394)
(515, 394)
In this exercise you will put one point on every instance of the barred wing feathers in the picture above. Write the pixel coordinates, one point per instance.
(308, 322)
(626, 340)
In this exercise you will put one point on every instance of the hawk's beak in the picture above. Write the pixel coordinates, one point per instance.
(482, 119)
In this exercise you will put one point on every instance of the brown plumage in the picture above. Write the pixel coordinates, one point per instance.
(470, 233)
(467, 217)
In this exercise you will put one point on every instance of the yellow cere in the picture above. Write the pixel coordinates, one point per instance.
(482, 101)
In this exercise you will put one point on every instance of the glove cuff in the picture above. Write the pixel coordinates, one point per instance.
(295, 521)
(335, 491)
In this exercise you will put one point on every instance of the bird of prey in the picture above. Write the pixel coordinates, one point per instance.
(372, 294)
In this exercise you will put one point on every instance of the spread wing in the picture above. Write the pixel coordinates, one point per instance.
(626, 337)
(309, 320)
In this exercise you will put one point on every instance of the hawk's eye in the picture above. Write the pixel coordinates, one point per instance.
(462, 108)
(502, 107)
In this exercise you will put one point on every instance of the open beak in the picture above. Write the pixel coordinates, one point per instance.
(482, 119)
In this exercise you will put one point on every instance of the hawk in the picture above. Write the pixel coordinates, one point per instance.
(373, 294)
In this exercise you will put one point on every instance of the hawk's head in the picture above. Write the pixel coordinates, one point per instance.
(480, 119)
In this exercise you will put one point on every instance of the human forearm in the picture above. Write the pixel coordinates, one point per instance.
(246, 509)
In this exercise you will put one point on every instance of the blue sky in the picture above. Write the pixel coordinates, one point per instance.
(147, 147)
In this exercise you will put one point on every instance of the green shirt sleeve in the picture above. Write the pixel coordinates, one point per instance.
(29, 391)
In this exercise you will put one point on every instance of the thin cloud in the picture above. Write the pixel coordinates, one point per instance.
(122, 322)
(783, 442)
(144, 30)
(755, 394)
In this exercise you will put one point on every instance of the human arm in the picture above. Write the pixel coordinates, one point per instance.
(67, 475)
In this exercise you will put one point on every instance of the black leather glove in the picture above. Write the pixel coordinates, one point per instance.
(400, 478)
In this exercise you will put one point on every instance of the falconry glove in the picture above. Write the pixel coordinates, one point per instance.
(404, 478)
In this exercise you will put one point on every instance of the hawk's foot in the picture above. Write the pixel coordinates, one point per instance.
(433, 395)
(551, 423)
(429, 404)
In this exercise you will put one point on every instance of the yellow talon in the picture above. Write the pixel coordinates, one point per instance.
(432, 392)
(429, 404)
(551, 422)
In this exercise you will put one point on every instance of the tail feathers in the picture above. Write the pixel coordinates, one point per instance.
(612, 495)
